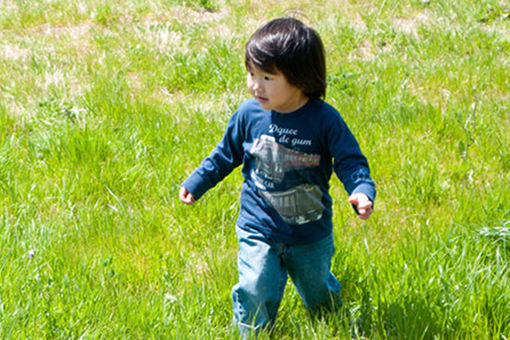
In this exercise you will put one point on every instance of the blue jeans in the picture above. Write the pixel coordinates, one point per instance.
(263, 268)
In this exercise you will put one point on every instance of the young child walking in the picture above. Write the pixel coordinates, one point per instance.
(289, 142)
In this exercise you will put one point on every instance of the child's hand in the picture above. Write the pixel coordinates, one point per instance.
(363, 205)
(185, 196)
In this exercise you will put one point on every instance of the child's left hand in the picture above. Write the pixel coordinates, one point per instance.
(363, 205)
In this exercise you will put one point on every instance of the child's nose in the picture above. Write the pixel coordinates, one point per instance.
(256, 85)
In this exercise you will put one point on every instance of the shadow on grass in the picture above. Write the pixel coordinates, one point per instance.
(405, 316)
(412, 317)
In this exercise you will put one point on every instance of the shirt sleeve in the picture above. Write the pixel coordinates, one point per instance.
(224, 158)
(350, 165)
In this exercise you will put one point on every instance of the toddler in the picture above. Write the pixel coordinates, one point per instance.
(289, 141)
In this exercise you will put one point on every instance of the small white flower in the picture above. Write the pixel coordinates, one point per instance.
(31, 253)
(170, 298)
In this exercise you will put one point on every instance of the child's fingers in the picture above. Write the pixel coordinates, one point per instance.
(188, 199)
(360, 200)
(353, 199)
(185, 196)
(182, 193)
(365, 213)
(363, 205)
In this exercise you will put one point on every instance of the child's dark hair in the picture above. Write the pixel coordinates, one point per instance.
(294, 49)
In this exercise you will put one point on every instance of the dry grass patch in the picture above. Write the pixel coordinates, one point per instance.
(73, 32)
(37, 73)
(78, 38)
(8, 6)
(367, 51)
(188, 16)
(222, 32)
(161, 36)
(357, 23)
(12, 52)
(162, 33)
(218, 107)
(14, 107)
(500, 30)
(409, 26)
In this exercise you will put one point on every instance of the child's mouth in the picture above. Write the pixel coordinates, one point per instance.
(261, 99)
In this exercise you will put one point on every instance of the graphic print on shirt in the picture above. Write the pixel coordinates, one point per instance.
(298, 205)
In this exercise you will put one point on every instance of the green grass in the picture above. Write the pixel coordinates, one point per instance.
(107, 106)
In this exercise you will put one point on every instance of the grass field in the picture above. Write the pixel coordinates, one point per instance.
(107, 106)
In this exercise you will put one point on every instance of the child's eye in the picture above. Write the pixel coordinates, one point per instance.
(267, 78)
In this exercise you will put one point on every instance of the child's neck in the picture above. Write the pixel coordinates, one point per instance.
(296, 104)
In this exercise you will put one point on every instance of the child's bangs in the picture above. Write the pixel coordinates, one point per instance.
(256, 57)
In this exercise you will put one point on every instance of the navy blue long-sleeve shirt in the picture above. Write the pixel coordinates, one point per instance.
(287, 159)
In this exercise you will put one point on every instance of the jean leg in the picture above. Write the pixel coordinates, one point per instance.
(309, 266)
(257, 295)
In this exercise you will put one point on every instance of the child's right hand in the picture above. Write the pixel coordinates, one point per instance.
(185, 196)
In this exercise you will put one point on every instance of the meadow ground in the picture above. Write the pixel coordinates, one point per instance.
(107, 106)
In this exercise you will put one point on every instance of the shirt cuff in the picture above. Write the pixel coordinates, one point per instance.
(195, 185)
(367, 189)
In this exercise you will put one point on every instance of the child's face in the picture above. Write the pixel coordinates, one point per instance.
(273, 91)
